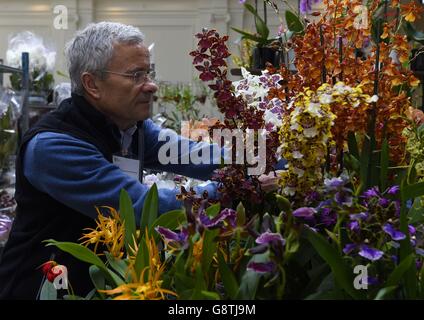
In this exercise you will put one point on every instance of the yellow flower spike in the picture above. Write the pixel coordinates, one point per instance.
(138, 288)
(109, 232)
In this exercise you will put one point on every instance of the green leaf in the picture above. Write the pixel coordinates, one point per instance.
(352, 144)
(150, 208)
(396, 275)
(209, 295)
(342, 273)
(118, 265)
(98, 279)
(412, 191)
(228, 279)
(241, 214)
(261, 26)
(48, 291)
(116, 279)
(126, 211)
(406, 249)
(384, 164)
(90, 295)
(171, 220)
(250, 279)
(416, 213)
(183, 282)
(384, 292)
(413, 34)
(283, 203)
(200, 285)
(142, 257)
(209, 248)
(422, 282)
(249, 36)
(364, 163)
(213, 210)
(82, 253)
(293, 22)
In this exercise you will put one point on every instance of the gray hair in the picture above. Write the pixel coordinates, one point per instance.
(92, 48)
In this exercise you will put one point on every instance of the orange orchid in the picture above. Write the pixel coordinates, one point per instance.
(411, 11)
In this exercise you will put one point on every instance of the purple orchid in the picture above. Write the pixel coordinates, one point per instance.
(349, 248)
(173, 239)
(419, 251)
(353, 226)
(359, 216)
(334, 183)
(342, 198)
(364, 251)
(306, 5)
(328, 217)
(384, 202)
(242, 1)
(306, 213)
(269, 237)
(370, 253)
(393, 233)
(228, 215)
(262, 267)
(393, 190)
(372, 281)
(372, 192)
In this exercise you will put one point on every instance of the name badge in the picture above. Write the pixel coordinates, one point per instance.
(129, 166)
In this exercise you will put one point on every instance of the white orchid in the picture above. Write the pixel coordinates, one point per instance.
(255, 89)
(40, 58)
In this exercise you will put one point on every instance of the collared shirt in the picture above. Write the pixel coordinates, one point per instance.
(126, 139)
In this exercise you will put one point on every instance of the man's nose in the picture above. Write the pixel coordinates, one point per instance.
(150, 86)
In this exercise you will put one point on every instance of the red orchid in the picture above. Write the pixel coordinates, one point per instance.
(50, 271)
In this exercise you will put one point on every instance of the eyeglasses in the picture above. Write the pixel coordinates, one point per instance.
(139, 77)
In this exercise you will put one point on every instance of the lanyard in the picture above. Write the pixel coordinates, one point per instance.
(141, 151)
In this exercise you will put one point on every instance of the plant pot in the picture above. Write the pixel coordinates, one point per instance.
(262, 55)
(417, 64)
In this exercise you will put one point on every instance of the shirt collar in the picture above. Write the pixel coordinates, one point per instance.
(126, 138)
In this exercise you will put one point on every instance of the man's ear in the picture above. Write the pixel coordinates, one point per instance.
(90, 86)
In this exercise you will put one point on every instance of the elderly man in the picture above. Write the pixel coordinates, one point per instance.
(81, 155)
(73, 159)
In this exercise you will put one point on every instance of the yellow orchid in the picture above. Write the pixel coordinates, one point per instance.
(109, 232)
(139, 288)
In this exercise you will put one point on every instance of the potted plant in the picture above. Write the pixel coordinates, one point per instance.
(269, 50)
(264, 51)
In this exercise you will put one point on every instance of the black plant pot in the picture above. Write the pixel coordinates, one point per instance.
(262, 55)
(417, 63)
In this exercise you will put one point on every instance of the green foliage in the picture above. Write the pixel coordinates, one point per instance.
(40, 84)
(8, 136)
(182, 102)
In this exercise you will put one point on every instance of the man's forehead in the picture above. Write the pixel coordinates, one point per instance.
(131, 46)
(130, 53)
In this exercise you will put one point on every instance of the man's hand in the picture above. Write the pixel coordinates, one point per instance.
(269, 182)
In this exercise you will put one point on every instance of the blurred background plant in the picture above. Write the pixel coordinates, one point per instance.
(245, 59)
(41, 62)
(179, 102)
